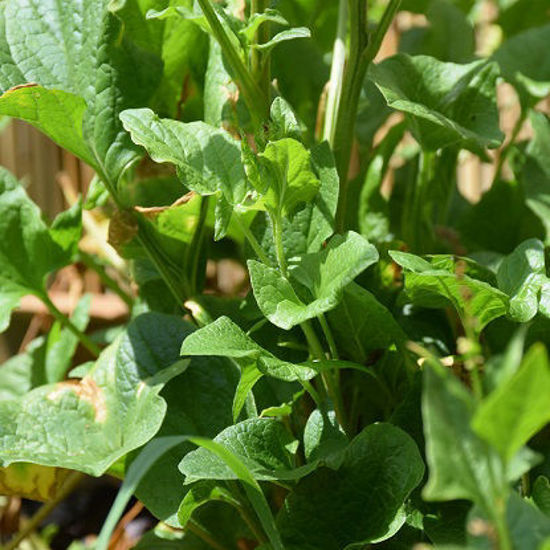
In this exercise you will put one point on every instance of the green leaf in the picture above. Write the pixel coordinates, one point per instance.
(61, 343)
(28, 250)
(448, 104)
(359, 502)
(258, 19)
(473, 471)
(287, 176)
(284, 36)
(522, 275)
(323, 436)
(88, 424)
(261, 444)
(77, 48)
(361, 324)
(285, 120)
(518, 408)
(224, 338)
(56, 113)
(208, 159)
(524, 63)
(444, 282)
(66, 229)
(323, 276)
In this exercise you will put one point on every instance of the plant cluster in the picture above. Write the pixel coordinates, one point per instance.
(383, 378)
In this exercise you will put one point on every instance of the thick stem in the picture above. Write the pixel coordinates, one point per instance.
(252, 94)
(70, 485)
(86, 341)
(361, 55)
(260, 66)
(279, 248)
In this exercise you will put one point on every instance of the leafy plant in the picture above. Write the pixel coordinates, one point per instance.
(381, 377)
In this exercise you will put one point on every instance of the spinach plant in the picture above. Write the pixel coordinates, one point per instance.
(381, 378)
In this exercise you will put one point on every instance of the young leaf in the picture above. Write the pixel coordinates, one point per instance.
(224, 338)
(324, 275)
(284, 36)
(518, 408)
(287, 176)
(285, 120)
(522, 275)
(448, 104)
(444, 282)
(257, 19)
(359, 502)
(361, 324)
(86, 425)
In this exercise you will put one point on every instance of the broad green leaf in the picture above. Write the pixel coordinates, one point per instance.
(446, 283)
(87, 424)
(323, 436)
(208, 159)
(284, 36)
(224, 338)
(524, 63)
(361, 324)
(448, 104)
(198, 495)
(58, 114)
(32, 481)
(287, 178)
(522, 275)
(473, 470)
(517, 409)
(321, 276)
(28, 251)
(76, 48)
(263, 445)
(359, 502)
(250, 374)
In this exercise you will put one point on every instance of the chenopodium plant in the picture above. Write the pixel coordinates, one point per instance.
(371, 388)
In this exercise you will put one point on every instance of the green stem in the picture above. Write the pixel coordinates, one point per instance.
(249, 518)
(279, 248)
(195, 247)
(85, 340)
(260, 64)
(361, 55)
(329, 336)
(507, 148)
(44, 511)
(91, 263)
(336, 74)
(252, 94)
